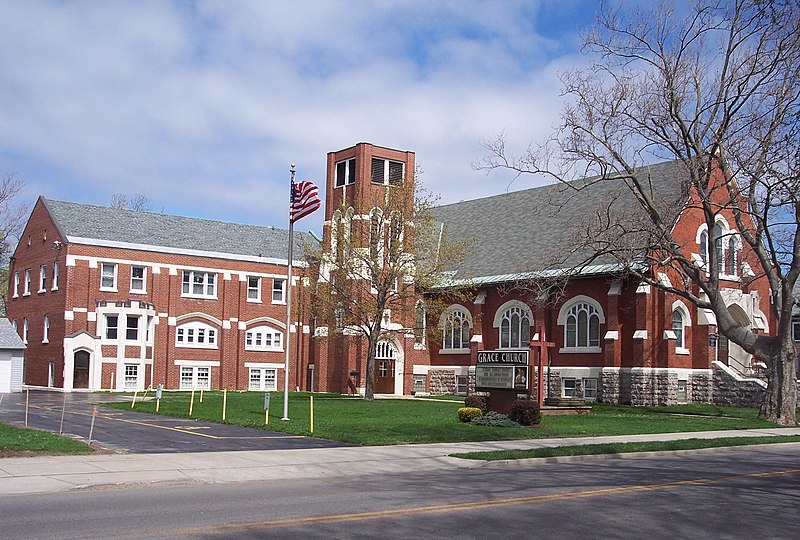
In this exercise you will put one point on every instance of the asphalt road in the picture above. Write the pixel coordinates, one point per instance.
(132, 432)
(733, 493)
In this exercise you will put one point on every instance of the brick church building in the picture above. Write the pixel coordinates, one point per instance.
(115, 299)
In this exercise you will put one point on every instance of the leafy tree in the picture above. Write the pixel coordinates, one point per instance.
(714, 86)
(370, 282)
(12, 220)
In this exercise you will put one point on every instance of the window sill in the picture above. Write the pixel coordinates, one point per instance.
(137, 292)
(198, 296)
(254, 301)
(453, 351)
(580, 350)
(184, 346)
(15, 296)
(683, 351)
(108, 289)
(281, 303)
(264, 350)
(26, 294)
(41, 291)
(54, 289)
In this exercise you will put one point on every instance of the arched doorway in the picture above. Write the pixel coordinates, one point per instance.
(385, 358)
(80, 370)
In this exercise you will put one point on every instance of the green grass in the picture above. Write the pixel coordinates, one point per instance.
(404, 421)
(22, 441)
(625, 448)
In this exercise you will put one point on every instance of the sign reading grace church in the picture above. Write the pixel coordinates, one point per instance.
(502, 369)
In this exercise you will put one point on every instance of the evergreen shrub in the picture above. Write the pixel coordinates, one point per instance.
(494, 419)
(526, 412)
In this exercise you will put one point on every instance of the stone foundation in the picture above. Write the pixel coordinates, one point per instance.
(442, 382)
(733, 390)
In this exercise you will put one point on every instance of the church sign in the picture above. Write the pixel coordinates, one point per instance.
(502, 369)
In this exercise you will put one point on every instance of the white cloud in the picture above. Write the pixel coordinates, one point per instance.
(202, 106)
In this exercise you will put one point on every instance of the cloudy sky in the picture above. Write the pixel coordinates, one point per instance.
(202, 106)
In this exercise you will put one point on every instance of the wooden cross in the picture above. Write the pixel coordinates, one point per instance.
(544, 347)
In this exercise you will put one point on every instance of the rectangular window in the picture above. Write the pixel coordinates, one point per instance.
(278, 291)
(42, 278)
(682, 394)
(46, 337)
(112, 324)
(253, 289)
(16, 284)
(263, 379)
(461, 384)
(385, 171)
(55, 276)
(419, 383)
(108, 276)
(199, 284)
(132, 327)
(796, 330)
(197, 377)
(25, 331)
(27, 282)
(345, 172)
(568, 387)
(590, 388)
(138, 279)
(51, 374)
(131, 376)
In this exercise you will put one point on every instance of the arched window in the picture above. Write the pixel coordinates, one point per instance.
(581, 317)
(419, 323)
(515, 328)
(395, 234)
(456, 323)
(730, 257)
(704, 247)
(263, 338)
(375, 233)
(583, 326)
(197, 335)
(677, 328)
(46, 334)
(719, 251)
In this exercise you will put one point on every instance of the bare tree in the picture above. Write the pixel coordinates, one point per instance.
(137, 203)
(714, 86)
(12, 220)
(372, 279)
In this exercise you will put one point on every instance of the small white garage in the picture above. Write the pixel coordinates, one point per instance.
(12, 357)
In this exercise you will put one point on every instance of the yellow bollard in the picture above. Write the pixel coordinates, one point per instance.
(191, 403)
(224, 403)
(201, 395)
(312, 415)
(266, 417)
(133, 401)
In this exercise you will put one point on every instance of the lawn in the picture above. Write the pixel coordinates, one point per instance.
(402, 421)
(16, 441)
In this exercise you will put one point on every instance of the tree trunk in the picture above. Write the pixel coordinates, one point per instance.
(369, 387)
(780, 402)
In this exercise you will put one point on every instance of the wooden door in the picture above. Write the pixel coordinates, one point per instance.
(80, 373)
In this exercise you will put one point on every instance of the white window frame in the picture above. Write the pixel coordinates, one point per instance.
(46, 325)
(420, 325)
(586, 383)
(27, 291)
(130, 379)
(573, 309)
(42, 278)
(255, 339)
(279, 289)
(265, 383)
(107, 327)
(25, 328)
(686, 320)
(254, 289)
(139, 280)
(505, 315)
(387, 163)
(133, 329)
(569, 392)
(199, 377)
(55, 277)
(189, 334)
(455, 314)
(104, 276)
(189, 282)
(349, 173)
(16, 285)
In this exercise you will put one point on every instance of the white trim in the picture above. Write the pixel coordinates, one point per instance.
(498, 314)
(453, 351)
(197, 363)
(611, 335)
(264, 365)
(580, 350)
(579, 299)
(640, 334)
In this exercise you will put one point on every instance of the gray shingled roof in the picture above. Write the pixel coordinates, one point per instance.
(9, 339)
(534, 230)
(106, 224)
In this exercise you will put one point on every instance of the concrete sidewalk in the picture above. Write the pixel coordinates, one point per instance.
(48, 474)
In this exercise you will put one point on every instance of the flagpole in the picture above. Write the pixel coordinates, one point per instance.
(288, 304)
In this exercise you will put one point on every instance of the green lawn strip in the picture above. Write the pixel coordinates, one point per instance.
(625, 448)
(19, 440)
(400, 421)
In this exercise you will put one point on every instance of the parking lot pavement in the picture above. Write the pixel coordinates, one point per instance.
(132, 432)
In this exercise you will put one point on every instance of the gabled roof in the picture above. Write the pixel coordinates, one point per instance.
(538, 230)
(114, 227)
(9, 339)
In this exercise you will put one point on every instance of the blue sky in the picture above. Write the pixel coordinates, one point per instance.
(202, 106)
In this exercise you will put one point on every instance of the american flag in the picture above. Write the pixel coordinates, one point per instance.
(304, 200)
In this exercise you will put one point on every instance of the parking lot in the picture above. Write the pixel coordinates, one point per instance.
(132, 432)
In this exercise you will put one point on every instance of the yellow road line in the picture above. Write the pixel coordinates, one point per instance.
(455, 507)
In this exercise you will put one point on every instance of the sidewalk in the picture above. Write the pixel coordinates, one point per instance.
(62, 473)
